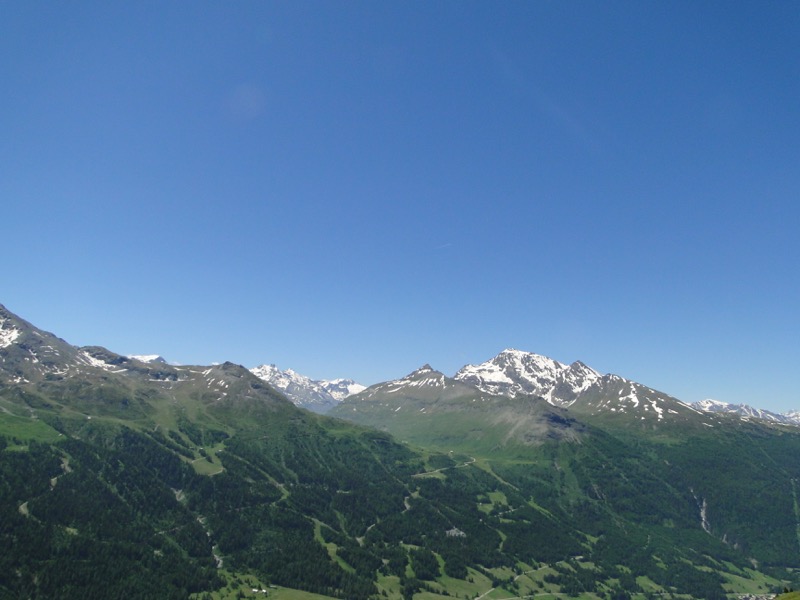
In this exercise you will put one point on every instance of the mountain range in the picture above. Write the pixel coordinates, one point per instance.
(518, 476)
(748, 412)
(316, 395)
(515, 373)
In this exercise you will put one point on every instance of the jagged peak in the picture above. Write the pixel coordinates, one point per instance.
(710, 404)
(513, 352)
(583, 367)
(425, 373)
(232, 366)
(523, 355)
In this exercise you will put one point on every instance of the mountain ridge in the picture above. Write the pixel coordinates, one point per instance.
(510, 372)
(318, 396)
(513, 372)
(745, 411)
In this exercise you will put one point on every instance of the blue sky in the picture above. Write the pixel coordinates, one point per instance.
(357, 188)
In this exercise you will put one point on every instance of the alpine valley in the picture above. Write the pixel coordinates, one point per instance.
(520, 477)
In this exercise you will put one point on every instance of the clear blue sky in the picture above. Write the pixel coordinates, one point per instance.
(357, 188)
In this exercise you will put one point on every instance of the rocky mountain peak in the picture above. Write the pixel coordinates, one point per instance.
(515, 372)
(426, 368)
(315, 395)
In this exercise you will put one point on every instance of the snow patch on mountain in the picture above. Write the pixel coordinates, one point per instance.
(8, 333)
(616, 394)
(424, 377)
(85, 357)
(631, 396)
(148, 358)
(92, 361)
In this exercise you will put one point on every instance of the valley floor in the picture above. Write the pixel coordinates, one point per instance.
(530, 581)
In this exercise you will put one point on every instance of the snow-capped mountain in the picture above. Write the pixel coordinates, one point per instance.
(425, 376)
(427, 404)
(425, 382)
(581, 388)
(149, 358)
(514, 372)
(709, 405)
(341, 388)
(315, 395)
(746, 411)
